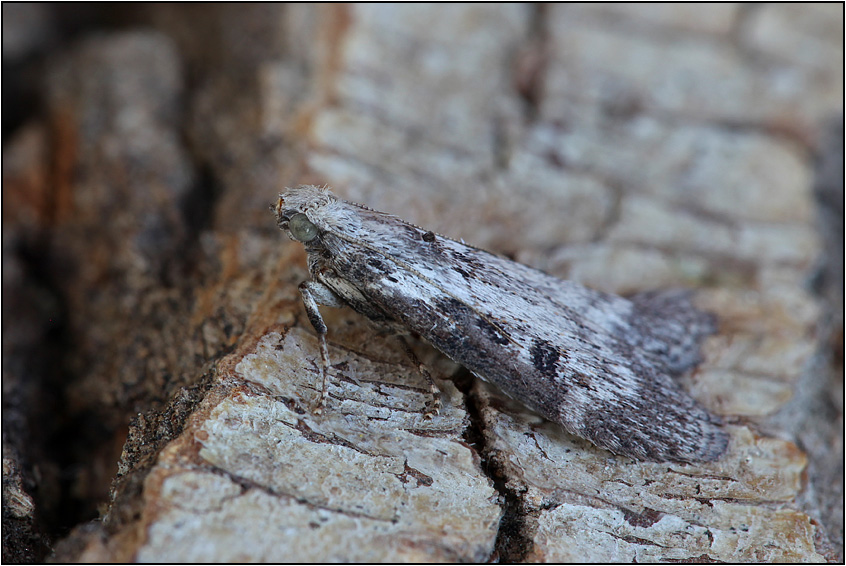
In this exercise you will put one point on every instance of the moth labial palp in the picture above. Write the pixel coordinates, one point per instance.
(601, 366)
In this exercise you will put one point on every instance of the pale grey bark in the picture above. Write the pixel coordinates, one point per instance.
(628, 147)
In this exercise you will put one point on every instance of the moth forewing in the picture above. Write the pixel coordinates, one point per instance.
(601, 366)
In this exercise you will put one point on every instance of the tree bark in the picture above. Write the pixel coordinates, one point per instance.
(158, 364)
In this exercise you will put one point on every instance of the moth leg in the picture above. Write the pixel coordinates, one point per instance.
(315, 294)
(435, 406)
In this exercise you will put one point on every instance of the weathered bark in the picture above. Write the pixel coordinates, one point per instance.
(157, 357)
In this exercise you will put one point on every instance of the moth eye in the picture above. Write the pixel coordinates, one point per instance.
(301, 228)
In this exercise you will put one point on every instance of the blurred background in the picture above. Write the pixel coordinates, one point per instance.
(625, 146)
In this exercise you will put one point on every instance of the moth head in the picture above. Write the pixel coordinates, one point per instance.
(301, 229)
(317, 218)
(297, 212)
(296, 224)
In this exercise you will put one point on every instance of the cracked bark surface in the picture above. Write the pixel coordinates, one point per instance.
(627, 147)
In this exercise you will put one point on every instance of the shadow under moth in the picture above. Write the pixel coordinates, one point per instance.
(599, 365)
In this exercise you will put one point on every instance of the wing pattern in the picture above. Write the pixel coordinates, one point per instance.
(600, 365)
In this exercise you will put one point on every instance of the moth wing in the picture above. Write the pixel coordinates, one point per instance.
(598, 364)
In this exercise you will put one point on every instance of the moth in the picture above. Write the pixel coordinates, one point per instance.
(601, 366)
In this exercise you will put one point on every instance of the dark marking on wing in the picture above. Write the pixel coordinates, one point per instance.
(544, 357)
(463, 272)
(376, 264)
(493, 332)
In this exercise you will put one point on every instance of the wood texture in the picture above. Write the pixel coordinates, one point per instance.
(157, 357)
